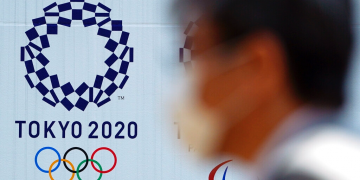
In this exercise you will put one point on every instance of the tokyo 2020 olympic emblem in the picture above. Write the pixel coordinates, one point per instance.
(34, 52)
(76, 171)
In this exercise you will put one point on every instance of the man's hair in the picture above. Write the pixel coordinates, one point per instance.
(316, 34)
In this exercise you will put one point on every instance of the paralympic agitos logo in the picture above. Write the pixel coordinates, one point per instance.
(56, 92)
(76, 171)
(213, 172)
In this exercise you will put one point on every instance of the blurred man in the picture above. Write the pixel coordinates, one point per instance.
(268, 82)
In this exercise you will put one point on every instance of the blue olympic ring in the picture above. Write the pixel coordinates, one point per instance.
(37, 154)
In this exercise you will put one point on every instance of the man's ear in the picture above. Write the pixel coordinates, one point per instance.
(255, 72)
(267, 61)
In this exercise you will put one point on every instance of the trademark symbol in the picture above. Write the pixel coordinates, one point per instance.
(121, 97)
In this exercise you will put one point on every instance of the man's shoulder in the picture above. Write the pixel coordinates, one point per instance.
(327, 152)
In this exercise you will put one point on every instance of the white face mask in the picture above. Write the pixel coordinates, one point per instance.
(200, 126)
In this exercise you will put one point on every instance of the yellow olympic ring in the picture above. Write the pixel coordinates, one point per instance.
(64, 160)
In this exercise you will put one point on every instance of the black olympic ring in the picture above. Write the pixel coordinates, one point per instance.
(86, 155)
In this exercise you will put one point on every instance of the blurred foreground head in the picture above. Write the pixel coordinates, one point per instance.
(257, 62)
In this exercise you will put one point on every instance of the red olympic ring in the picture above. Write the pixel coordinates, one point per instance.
(112, 152)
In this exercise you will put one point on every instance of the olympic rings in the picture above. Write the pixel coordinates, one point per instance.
(64, 160)
(37, 154)
(77, 171)
(86, 155)
(100, 171)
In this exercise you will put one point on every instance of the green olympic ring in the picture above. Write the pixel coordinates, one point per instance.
(78, 168)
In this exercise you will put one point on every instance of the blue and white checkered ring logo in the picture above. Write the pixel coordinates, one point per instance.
(34, 50)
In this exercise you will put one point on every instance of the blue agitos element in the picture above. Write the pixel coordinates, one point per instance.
(225, 173)
(39, 42)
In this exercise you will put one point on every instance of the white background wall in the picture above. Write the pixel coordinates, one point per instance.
(155, 153)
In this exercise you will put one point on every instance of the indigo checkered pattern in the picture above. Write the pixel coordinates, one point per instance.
(34, 51)
(188, 47)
